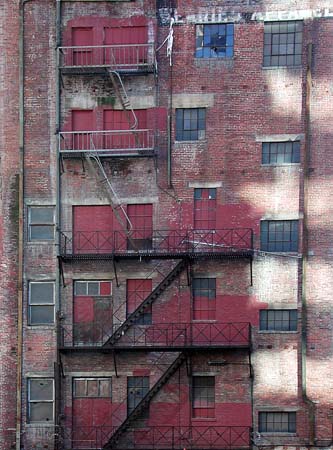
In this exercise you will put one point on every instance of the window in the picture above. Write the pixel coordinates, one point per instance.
(137, 291)
(137, 388)
(41, 223)
(278, 320)
(280, 152)
(204, 298)
(141, 218)
(215, 41)
(92, 387)
(92, 288)
(190, 124)
(283, 43)
(277, 422)
(205, 209)
(41, 303)
(203, 396)
(279, 235)
(40, 400)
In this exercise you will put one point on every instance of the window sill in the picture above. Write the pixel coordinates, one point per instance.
(41, 327)
(214, 58)
(298, 67)
(277, 332)
(204, 320)
(191, 142)
(205, 419)
(278, 433)
(39, 424)
(280, 165)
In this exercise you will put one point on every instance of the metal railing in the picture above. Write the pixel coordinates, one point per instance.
(159, 438)
(165, 335)
(126, 57)
(159, 242)
(107, 141)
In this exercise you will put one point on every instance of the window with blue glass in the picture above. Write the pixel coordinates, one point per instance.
(279, 235)
(215, 41)
(190, 124)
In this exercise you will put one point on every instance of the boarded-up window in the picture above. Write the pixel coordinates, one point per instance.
(41, 303)
(137, 388)
(127, 138)
(126, 50)
(204, 298)
(203, 395)
(137, 291)
(82, 120)
(40, 400)
(205, 209)
(82, 37)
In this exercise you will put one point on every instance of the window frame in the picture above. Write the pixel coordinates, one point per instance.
(198, 131)
(86, 381)
(204, 209)
(32, 305)
(29, 401)
(87, 282)
(211, 297)
(264, 321)
(202, 35)
(273, 38)
(269, 155)
(271, 245)
(291, 422)
(144, 378)
(207, 410)
(32, 224)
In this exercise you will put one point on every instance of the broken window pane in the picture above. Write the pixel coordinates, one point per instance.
(214, 41)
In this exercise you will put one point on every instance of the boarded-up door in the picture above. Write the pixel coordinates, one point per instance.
(82, 120)
(141, 218)
(121, 121)
(126, 51)
(93, 229)
(137, 291)
(82, 37)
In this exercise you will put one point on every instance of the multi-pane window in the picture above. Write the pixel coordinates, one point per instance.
(137, 291)
(41, 302)
(40, 400)
(137, 388)
(92, 387)
(277, 422)
(41, 223)
(190, 124)
(205, 209)
(278, 320)
(203, 396)
(92, 288)
(215, 41)
(204, 298)
(283, 43)
(280, 152)
(279, 235)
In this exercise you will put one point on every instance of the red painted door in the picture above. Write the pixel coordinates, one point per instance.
(82, 37)
(93, 229)
(205, 209)
(126, 52)
(137, 291)
(82, 120)
(120, 120)
(141, 218)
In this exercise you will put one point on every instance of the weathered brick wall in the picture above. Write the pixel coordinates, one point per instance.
(9, 169)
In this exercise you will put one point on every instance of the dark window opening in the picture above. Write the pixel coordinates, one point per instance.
(215, 41)
(279, 235)
(41, 223)
(190, 124)
(280, 152)
(137, 388)
(204, 298)
(40, 400)
(278, 320)
(205, 209)
(277, 422)
(203, 396)
(41, 303)
(283, 43)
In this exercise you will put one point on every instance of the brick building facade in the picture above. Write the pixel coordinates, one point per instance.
(165, 224)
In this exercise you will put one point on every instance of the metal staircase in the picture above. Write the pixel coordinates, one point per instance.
(144, 403)
(121, 94)
(131, 319)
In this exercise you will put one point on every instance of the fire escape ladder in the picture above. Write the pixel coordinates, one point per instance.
(144, 403)
(120, 92)
(131, 319)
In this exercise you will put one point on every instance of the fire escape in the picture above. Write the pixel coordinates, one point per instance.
(181, 247)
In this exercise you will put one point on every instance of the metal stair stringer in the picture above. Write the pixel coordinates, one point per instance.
(144, 403)
(123, 98)
(147, 302)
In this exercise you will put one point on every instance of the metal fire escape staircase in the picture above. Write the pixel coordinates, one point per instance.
(144, 403)
(160, 288)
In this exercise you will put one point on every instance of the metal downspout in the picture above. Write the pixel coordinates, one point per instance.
(304, 192)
